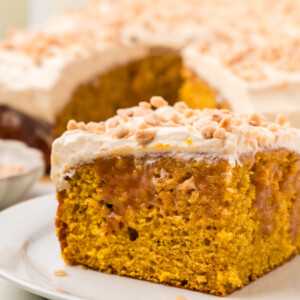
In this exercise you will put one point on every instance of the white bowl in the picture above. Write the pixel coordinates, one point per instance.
(12, 187)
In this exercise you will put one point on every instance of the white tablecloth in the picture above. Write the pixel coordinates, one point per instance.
(9, 291)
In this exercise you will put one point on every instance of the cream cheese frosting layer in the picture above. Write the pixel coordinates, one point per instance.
(41, 91)
(177, 129)
(278, 92)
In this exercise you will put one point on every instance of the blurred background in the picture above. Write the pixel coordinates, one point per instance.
(24, 13)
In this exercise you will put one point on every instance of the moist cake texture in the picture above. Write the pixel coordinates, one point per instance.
(205, 200)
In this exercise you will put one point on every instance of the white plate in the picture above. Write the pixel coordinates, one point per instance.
(29, 254)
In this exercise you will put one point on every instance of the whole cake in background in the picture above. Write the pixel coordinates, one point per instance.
(86, 63)
(205, 200)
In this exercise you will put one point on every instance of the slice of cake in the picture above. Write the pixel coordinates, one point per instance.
(205, 200)
(111, 54)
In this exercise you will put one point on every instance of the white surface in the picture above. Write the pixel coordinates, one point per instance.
(9, 291)
(30, 254)
(12, 187)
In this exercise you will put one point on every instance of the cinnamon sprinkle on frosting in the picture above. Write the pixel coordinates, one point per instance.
(143, 122)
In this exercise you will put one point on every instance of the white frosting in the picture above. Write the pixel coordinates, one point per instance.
(175, 38)
(81, 146)
(76, 147)
(43, 90)
(274, 99)
(278, 93)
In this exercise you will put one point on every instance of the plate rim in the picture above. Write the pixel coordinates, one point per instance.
(27, 286)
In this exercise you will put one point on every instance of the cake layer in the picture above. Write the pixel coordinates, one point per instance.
(195, 222)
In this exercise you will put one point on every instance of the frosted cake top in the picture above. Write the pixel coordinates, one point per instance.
(142, 129)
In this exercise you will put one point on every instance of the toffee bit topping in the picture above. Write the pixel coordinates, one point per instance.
(180, 106)
(98, 128)
(60, 273)
(144, 137)
(255, 120)
(72, 125)
(152, 119)
(145, 105)
(113, 122)
(121, 131)
(273, 127)
(82, 126)
(280, 120)
(216, 118)
(158, 101)
(226, 123)
(127, 112)
(208, 131)
(219, 133)
(142, 124)
(188, 113)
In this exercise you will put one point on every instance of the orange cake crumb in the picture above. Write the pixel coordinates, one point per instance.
(215, 209)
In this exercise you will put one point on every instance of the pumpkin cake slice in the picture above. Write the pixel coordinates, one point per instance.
(204, 200)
